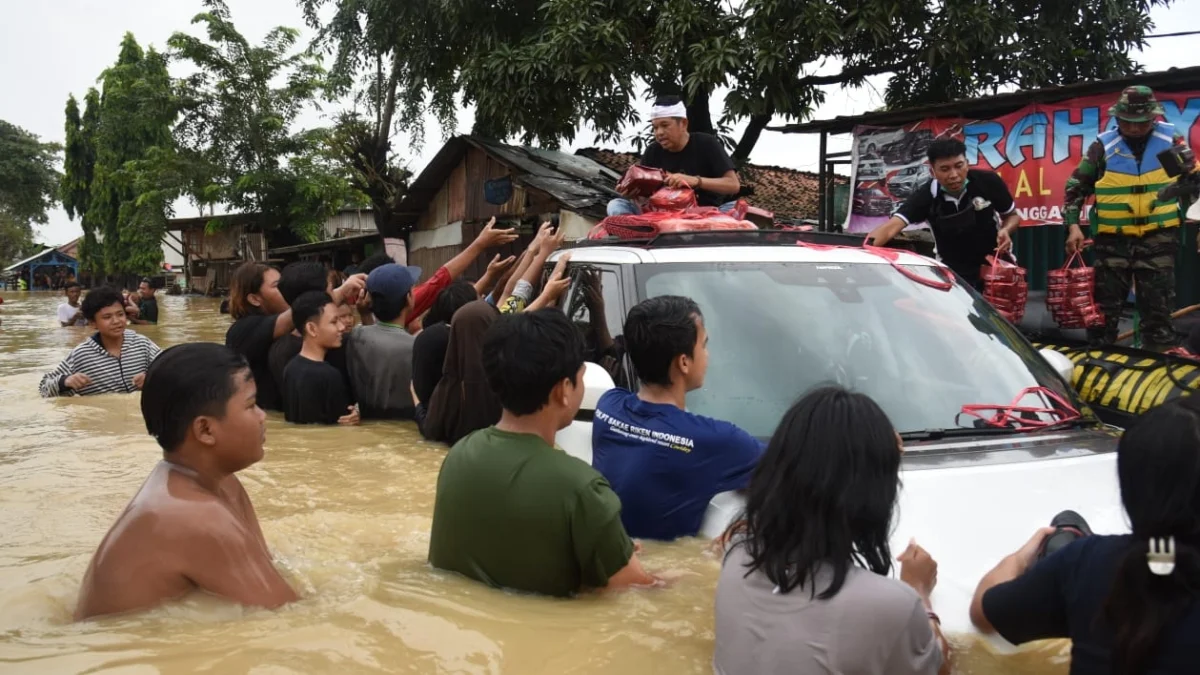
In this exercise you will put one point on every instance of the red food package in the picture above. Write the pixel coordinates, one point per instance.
(641, 181)
(1070, 295)
(1004, 287)
(672, 199)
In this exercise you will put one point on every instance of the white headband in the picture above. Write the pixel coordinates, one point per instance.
(660, 111)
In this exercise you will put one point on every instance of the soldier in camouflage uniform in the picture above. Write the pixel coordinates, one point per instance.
(1136, 238)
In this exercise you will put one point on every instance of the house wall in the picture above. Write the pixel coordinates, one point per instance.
(461, 197)
(349, 223)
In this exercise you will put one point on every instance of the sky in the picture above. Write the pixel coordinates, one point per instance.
(56, 48)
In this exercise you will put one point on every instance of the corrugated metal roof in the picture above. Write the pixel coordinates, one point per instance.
(38, 255)
(577, 182)
(1175, 79)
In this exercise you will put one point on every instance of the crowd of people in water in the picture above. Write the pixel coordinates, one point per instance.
(494, 368)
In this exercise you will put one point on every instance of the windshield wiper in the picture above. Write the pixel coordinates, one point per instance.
(958, 432)
(984, 430)
(1022, 417)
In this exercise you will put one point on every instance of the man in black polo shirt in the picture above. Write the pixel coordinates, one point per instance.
(695, 160)
(964, 208)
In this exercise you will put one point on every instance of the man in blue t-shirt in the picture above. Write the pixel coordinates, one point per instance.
(665, 463)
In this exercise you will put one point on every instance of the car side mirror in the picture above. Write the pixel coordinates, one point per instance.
(1061, 363)
(596, 381)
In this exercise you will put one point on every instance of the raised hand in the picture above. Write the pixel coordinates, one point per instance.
(491, 237)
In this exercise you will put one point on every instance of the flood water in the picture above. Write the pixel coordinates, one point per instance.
(346, 512)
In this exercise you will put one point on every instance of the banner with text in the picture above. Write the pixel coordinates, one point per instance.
(1034, 150)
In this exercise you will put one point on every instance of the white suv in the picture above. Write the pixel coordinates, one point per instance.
(786, 311)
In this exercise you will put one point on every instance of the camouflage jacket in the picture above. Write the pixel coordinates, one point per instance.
(1082, 183)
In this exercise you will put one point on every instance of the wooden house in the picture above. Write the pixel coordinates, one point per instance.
(472, 179)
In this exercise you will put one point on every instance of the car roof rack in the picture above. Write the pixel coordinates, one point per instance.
(761, 237)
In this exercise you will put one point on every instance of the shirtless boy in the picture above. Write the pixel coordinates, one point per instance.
(191, 525)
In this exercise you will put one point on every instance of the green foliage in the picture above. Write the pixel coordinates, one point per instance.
(129, 118)
(79, 165)
(537, 69)
(28, 187)
(234, 142)
(28, 178)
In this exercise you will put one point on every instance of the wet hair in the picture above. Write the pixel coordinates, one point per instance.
(299, 278)
(308, 307)
(73, 284)
(658, 330)
(945, 148)
(525, 355)
(377, 259)
(823, 493)
(185, 382)
(247, 279)
(98, 299)
(1158, 468)
(448, 302)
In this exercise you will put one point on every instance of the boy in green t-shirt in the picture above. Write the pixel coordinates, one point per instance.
(514, 511)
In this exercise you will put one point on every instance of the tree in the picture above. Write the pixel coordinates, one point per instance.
(79, 165)
(536, 69)
(362, 141)
(235, 143)
(129, 118)
(28, 187)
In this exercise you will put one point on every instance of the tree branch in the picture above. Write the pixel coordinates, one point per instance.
(850, 74)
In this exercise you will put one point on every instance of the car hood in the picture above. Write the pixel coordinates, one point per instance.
(971, 509)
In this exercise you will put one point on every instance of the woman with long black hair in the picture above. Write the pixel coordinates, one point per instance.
(805, 585)
(1128, 603)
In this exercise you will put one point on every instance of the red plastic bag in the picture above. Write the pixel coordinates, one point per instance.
(657, 222)
(1071, 297)
(641, 181)
(1005, 287)
(672, 199)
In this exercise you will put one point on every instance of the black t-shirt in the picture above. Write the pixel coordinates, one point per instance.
(1063, 596)
(251, 336)
(703, 156)
(314, 393)
(287, 348)
(963, 252)
(429, 355)
(148, 310)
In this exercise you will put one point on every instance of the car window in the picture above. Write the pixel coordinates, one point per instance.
(777, 330)
(594, 304)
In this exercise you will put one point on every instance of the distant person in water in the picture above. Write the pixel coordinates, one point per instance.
(191, 526)
(70, 313)
(147, 304)
(314, 392)
(113, 360)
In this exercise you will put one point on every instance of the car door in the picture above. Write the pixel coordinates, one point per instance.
(595, 302)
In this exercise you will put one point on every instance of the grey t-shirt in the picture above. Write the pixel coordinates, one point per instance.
(379, 361)
(873, 626)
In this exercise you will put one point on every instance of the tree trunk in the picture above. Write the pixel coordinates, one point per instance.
(699, 117)
(749, 139)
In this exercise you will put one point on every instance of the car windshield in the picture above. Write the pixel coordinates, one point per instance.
(777, 330)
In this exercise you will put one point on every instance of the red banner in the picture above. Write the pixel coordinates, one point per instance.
(1034, 149)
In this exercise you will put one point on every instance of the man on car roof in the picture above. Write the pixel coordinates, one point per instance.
(691, 159)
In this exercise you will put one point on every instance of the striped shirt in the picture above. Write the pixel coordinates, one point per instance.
(109, 374)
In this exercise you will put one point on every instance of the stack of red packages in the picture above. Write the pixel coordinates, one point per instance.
(672, 199)
(1070, 295)
(641, 181)
(1005, 288)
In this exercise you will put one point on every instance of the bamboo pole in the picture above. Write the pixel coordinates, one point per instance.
(1174, 315)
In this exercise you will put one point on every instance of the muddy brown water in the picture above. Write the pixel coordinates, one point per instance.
(347, 513)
